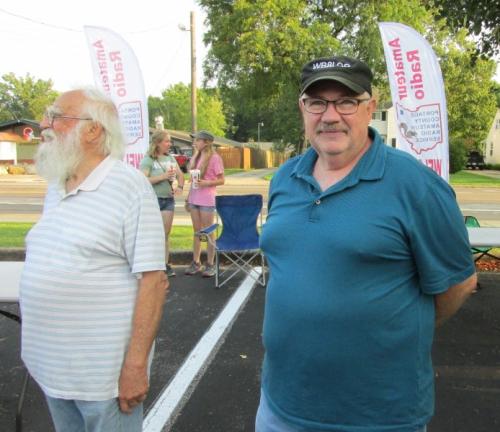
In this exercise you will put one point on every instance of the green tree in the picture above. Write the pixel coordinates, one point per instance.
(258, 48)
(480, 17)
(496, 91)
(24, 97)
(469, 88)
(174, 106)
(458, 154)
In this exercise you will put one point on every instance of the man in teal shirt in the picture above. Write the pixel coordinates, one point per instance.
(367, 252)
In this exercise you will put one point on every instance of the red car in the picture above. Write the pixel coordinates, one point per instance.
(181, 156)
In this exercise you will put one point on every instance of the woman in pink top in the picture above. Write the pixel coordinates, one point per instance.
(206, 164)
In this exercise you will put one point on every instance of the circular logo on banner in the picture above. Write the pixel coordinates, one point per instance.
(28, 133)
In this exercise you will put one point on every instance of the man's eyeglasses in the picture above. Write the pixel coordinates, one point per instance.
(343, 105)
(51, 115)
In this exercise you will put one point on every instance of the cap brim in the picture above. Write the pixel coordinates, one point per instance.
(330, 77)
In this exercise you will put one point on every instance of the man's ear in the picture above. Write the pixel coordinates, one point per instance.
(372, 105)
(93, 131)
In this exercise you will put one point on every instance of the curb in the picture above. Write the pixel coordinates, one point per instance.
(181, 257)
(176, 257)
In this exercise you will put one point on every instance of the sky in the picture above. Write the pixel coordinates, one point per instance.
(45, 39)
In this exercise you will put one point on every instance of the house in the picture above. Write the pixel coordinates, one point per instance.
(234, 153)
(492, 145)
(18, 141)
(384, 120)
(184, 140)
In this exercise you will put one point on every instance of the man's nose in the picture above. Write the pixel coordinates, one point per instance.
(331, 114)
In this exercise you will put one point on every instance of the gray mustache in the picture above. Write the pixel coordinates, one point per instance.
(330, 129)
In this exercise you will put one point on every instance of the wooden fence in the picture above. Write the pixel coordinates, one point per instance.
(250, 158)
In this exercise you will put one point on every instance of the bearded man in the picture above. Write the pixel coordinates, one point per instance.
(93, 284)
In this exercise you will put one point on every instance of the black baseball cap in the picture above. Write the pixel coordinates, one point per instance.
(203, 134)
(350, 72)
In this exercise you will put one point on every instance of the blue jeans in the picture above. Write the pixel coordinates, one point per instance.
(208, 209)
(166, 204)
(93, 416)
(267, 421)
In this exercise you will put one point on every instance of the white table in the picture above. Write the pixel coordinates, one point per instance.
(10, 275)
(485, 238)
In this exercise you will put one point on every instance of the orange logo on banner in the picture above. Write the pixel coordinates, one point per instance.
(28, 133)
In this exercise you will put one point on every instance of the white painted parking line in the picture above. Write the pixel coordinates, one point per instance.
(168, 404)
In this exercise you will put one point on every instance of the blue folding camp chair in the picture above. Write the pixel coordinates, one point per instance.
(238, 244)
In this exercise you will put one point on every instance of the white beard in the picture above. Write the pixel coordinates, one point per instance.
(57, 158)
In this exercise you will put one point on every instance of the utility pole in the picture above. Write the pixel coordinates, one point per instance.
(194, 111)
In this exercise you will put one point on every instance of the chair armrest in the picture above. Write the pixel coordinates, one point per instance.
(207, 230)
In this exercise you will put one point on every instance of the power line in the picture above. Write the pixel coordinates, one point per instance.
(25, 18)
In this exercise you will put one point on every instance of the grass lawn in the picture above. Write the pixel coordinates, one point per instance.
(12, 235)
(464, 178)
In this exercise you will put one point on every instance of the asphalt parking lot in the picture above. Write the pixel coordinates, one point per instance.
(223, 394)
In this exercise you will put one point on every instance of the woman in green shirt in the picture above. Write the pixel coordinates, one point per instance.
(162, 169)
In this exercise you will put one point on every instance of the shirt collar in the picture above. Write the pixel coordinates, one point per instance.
(94, 179)
(371, 166)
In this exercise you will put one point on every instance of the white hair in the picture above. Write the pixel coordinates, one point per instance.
(102, 110)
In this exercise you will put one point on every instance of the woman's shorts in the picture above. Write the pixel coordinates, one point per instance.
(208, 209)
(166, 204)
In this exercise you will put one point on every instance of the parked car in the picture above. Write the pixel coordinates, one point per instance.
(475, 160)
(181, 156)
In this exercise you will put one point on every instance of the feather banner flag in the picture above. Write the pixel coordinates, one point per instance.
(117, 73)
(418, 96)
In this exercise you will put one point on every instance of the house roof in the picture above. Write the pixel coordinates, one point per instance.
(179, 135)
(10, 123)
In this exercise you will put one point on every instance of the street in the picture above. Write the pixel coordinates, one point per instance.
(21, 197)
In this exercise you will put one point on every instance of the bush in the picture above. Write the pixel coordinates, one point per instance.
(16, 170)
(495, 167)
(458, 155)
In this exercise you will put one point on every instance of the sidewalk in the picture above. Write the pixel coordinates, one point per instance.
(488, 173)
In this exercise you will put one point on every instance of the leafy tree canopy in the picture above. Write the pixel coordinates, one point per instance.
(480, 17)
(258, 48)
(24, 97)
(174, 106)
(469, 91)
(496, 91)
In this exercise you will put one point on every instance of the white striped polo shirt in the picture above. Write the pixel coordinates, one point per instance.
(80, 280)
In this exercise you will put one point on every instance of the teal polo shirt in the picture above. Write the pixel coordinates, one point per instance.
(349, 315)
